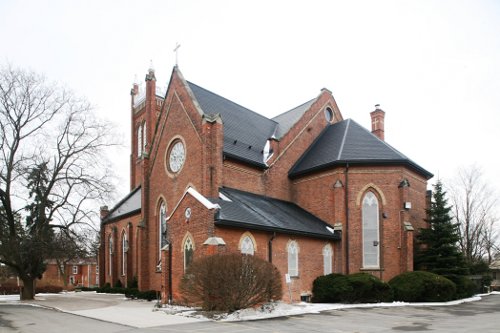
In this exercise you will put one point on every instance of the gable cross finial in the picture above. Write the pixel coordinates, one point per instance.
(176, 50)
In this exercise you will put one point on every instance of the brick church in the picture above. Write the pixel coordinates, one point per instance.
(307, 190)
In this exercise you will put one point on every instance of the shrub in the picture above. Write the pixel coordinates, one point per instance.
(330, 288)
(118, 284)
(367, 288)
(148, 295)
(229, 282)
(354, 288)
(48, 289)
(9, 290)
(465, 286)
(421, 286)
(131, 284)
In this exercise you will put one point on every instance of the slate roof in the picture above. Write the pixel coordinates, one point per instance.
(129, 205)
(348, 142)
(245, 132)
(288, 119)
(257, 212)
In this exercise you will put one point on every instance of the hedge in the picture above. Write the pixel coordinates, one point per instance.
(132, 293)
(354, 288)
(15, 290)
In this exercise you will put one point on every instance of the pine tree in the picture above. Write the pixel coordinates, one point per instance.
(439, 252)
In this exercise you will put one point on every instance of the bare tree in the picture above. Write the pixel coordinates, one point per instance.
(53, 168)
(68, 247)
(474, 203)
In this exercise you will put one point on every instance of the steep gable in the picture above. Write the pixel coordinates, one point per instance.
(288, 119)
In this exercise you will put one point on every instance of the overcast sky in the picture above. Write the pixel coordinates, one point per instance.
(434, 66)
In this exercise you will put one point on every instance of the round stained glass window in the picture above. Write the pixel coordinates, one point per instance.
(177, 156)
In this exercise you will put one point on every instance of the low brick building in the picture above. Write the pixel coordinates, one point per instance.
(308, 190)
(71, 274)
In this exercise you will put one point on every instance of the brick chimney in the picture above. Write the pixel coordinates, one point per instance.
(378, 122)
(104, 212)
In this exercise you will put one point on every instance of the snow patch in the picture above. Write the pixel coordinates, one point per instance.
(280, 309)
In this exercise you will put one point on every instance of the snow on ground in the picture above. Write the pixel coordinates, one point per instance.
(9, 298)
(280, 309)
(271, 310)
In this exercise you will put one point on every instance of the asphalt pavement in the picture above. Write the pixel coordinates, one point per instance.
(90, 312)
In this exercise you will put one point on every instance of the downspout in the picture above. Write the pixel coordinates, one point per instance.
(346, 233)
(270, 259)
(170, 298)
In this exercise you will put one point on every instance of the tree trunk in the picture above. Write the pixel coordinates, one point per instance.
(28, 289)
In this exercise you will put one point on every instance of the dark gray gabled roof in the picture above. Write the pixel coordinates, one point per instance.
(348, 142)
(288, 119)
(129, 205)
(257, 212)
(245, 132)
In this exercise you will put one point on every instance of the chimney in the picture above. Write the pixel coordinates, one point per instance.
(378, 122)
(104, 212)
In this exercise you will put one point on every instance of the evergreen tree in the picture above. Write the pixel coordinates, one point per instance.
(438, 252)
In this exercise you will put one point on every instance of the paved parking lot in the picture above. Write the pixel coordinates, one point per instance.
(480, 316)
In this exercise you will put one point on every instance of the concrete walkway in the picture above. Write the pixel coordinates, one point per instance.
(110, 308)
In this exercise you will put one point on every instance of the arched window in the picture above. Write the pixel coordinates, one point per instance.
(327, 259)
(139, 141)
(110, 245)
(144, 137)
(371, 236)
(162, 228)
(124, 253)
(293, 258)
(188, 252)
(247, 246)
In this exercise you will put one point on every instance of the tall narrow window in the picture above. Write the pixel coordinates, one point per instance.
(247, 246)
(327, 259)
(162, 228)
(139, 141)
(110, 245)
(124, 253)
(144, 137)
(370, 231)
(293, 258)
(188, 252)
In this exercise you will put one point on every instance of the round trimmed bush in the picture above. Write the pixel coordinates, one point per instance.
(330, 288)
(465, 286)
(367, 288)
(421, 286)
(354, 288)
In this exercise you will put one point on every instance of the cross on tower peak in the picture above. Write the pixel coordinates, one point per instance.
(176, 50)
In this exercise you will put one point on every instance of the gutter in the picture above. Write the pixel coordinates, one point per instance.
(235, 224)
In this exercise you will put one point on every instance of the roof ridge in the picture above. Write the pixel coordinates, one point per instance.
(344, 138)
(227, 99)
(382, 141)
